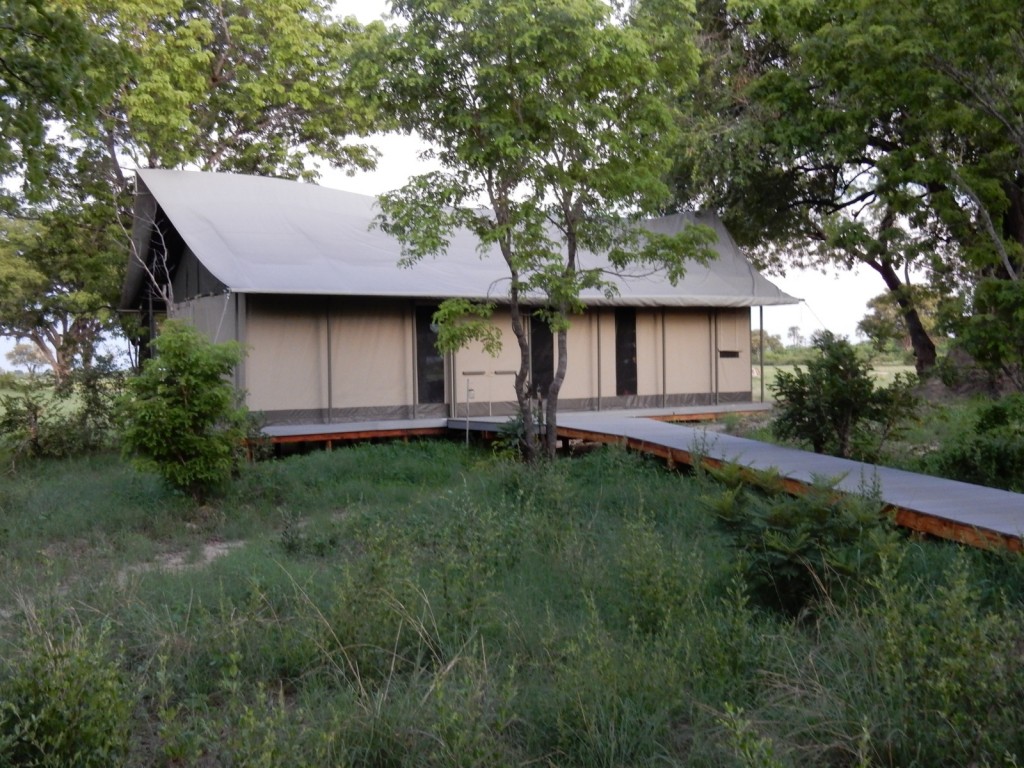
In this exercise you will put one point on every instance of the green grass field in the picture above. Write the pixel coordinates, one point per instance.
(428, 605)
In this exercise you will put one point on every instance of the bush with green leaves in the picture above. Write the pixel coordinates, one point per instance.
(39, 419)
(835, 405)
(993, 333)
(65, 701)
(991, 452)
(797, 549)
(182, 417)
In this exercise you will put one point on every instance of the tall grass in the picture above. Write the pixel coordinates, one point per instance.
(424, 604)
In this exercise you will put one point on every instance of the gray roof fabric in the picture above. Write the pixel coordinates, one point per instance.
(273, 236)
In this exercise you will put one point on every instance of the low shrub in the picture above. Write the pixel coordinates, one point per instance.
(990, 451)
(65, 701)
(921, 673)
(182, 419)
(40, 420)
(797, 549)
(835, 406)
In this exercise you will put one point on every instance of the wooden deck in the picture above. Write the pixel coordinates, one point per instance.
(354, 431)
(949, 509)
(963, 512)
(357, 431)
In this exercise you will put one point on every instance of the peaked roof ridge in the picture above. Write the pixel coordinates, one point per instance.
(270, 235)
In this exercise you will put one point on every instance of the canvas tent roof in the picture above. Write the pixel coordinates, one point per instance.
(264, 235)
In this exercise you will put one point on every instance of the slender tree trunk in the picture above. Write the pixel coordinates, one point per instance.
(551, 442)
(530, 447)
(920, 341)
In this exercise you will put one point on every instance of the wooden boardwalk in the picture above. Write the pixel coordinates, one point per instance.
(963, 512)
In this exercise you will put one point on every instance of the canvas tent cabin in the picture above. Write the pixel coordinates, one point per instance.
(337, 331)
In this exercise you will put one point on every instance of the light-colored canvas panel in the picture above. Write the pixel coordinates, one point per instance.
(286, 366)
(581, 373)
(606, 366)
(213, 316)
(490, 379)
(688, 351)
(648, 353)
(261, 236)
(734, 335)
(372, 359)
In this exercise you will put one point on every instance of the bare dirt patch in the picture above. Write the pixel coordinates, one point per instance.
(175, 562)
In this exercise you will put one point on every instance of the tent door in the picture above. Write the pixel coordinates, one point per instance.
(429, 361)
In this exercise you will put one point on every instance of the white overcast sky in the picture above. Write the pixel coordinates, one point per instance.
(835, 301)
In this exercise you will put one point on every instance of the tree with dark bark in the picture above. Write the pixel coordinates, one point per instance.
(864, 132)
(553, 114)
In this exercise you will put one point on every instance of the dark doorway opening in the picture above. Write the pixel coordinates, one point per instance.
(625, 351)
(542, 356)
(429, 362)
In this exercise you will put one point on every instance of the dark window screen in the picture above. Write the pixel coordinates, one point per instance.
(429, 362)
(625, 351)
(542, 355)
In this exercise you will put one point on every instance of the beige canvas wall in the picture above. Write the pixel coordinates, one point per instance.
(314, 353)
(372, 353)
(331, 354)
(214, 316)
(286, 365)
(688, 351)
(676, 355)
(734, 336)
(581, 376)
(489, 379)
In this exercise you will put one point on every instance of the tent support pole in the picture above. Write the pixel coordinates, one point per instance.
(330, 366)
(714, 355)
(598, 313)
(664, 364)
(761, 353)
(413, 367)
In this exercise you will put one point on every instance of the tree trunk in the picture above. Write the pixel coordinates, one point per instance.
(920, 341)
(529, 446)
(551, 441)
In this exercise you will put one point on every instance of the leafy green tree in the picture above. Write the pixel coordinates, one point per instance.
(181, 415)
(60, 277)
(993, 331)
(28, 357)
(257, 87)
(864, 132)
(554, 115)
(772, 343)
(835, 406)
(45, 50)
(884, 325)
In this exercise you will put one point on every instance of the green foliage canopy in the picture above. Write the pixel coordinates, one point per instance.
(261, 87)
(864, 132)
(554, 115)
(45, 49)
(256, 87)
(993, 332)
